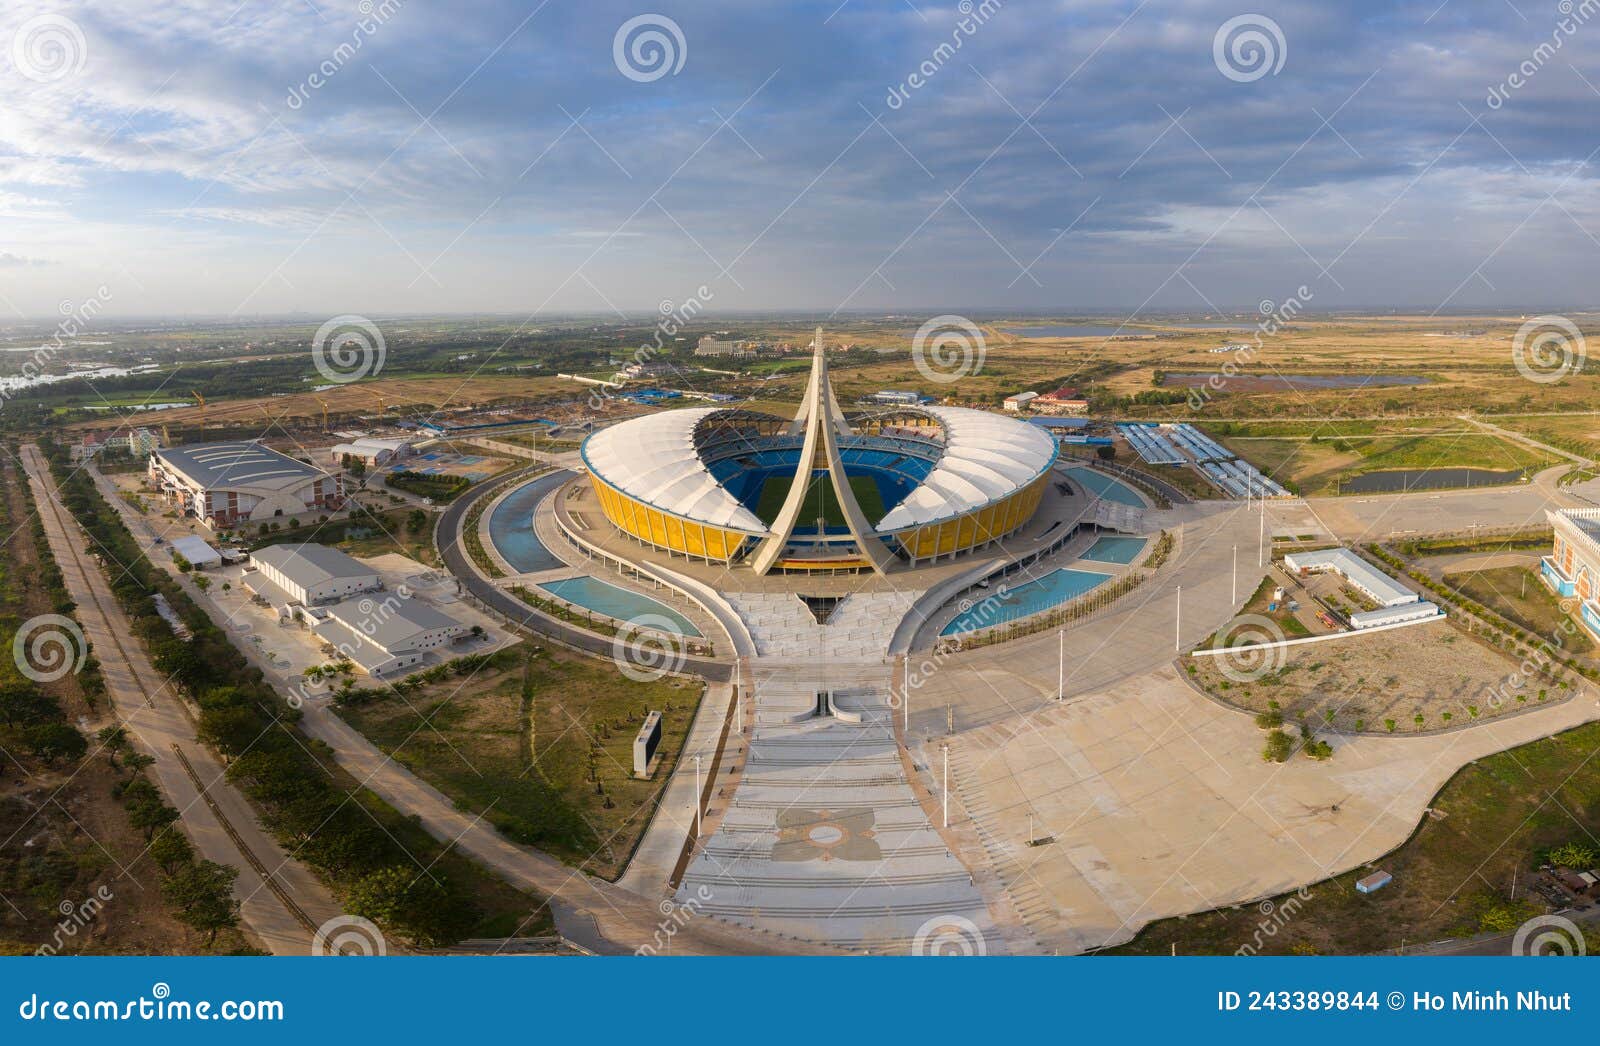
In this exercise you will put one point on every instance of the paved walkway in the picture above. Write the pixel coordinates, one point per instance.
(218, 819)
(1159, 804)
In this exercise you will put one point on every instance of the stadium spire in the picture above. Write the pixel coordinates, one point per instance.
(820, 418)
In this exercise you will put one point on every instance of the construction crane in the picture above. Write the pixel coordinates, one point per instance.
(324, 404)
(202, 401)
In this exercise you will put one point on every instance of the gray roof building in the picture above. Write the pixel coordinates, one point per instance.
(213, 465)
(310, 565)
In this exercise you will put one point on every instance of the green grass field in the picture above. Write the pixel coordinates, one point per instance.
(820, 500)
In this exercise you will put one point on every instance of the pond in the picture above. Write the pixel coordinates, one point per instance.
(620, 603)
(1069, 330)
(1104, 486)
(1399, 481)
(511, 526)
(1110, 549)
(1007, 603)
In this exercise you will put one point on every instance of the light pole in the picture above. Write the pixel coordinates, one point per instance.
(945, 788)
(738, 705)
(698, 795)
(1261, 532)
(1235, 599)
(905, 696)
(1177, 620)
(1061, 664)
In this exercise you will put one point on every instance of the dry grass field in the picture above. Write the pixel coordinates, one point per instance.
(1363, 683)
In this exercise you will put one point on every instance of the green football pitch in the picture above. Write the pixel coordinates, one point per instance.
(820, 500)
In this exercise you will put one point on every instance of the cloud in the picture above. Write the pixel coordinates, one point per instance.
(499, 151)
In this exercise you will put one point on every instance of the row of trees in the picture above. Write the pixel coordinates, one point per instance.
(335, 831)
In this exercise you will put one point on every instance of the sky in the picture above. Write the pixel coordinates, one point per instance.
(322, 156)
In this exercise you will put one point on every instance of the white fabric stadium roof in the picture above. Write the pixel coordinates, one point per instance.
(653, 459)
(986, 457)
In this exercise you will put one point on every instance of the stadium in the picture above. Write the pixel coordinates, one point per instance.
(898, 486)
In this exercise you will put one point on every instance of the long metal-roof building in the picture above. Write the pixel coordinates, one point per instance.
(225, 484)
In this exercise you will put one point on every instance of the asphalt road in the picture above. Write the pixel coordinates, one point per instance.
(447, 537)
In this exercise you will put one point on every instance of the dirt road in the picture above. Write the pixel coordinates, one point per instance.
(282, 907)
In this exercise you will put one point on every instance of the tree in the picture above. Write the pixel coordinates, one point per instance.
(171, 849)
(411, 903)
(113, 739)
(202, 895)
(51, 741)
(1278, 747)
(25, 703)
(231, 730)
(1573, 855)
(145, 807)
(417, 520)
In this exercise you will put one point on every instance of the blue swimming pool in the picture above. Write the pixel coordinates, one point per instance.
(1025, 599)
(620, 603)
(511, 526)
(1105, 486)
(1111, 549)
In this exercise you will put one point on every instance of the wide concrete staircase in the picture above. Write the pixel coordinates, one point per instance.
(858, 630)
(824, 840)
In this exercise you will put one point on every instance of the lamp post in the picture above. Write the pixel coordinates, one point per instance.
(945, 788)
(1061, 664)
(1177, 620)
(1235, 575)
(698, 796)
(905, 696)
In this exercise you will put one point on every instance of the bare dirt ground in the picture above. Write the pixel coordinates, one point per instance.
(1433, 670)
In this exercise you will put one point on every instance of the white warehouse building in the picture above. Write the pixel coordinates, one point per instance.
(306, 575)
(374, 452)
(1361, 575)
(385, 635)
